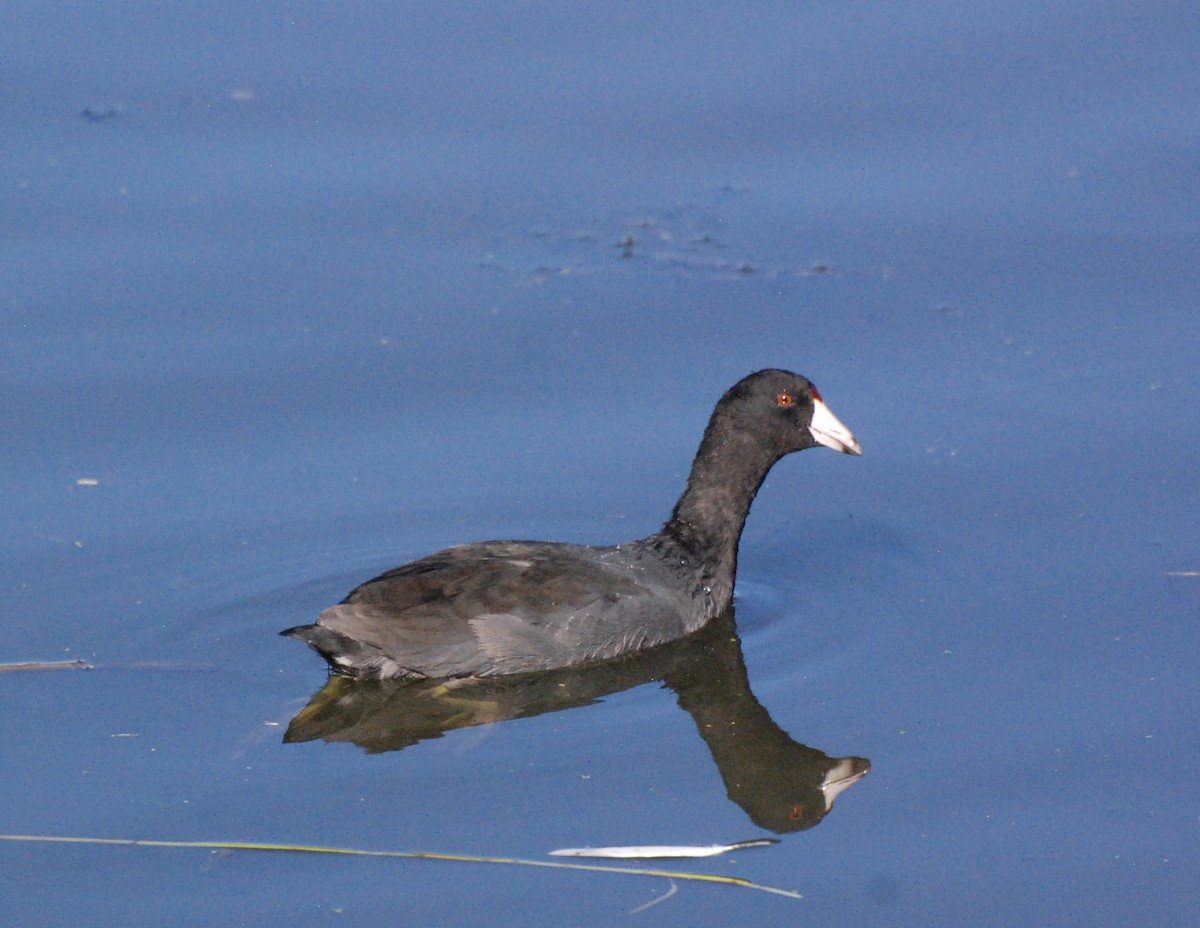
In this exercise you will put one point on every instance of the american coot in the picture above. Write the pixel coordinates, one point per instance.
(499, 607)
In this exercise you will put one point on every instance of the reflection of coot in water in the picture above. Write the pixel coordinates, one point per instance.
(781, 784)
(505, 607)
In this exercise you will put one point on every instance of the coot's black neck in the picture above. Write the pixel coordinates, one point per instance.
(707, 521)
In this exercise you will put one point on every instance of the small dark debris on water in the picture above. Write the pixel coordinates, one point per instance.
(99, 115)
(626, 246)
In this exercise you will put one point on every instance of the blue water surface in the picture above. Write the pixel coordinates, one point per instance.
(292, 293)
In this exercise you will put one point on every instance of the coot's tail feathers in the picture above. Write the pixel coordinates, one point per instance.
(329, 644)
(347, 656)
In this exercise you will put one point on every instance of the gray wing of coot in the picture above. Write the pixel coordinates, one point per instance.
(497, 607)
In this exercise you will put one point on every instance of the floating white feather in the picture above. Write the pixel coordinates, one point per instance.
(651, 851)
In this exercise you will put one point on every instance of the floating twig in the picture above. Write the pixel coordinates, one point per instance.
(411, 855)
(47, 665)
(663, 898)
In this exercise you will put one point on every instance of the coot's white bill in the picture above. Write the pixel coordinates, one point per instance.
(829, 431)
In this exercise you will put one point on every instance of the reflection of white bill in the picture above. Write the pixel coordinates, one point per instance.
(648, 851)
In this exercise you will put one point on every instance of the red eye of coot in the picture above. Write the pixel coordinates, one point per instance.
(784, 400)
